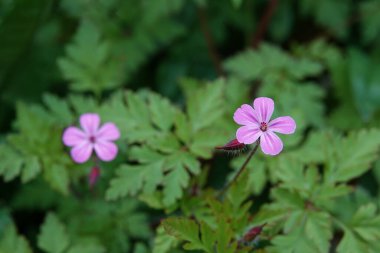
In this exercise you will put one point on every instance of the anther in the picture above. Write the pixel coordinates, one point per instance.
(263, 126)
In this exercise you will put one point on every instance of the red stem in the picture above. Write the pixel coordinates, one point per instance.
(264, 22)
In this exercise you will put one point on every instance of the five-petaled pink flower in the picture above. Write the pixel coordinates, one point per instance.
(83, 142)
(256, 125)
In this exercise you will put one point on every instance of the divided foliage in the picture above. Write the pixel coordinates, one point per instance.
(170, 74)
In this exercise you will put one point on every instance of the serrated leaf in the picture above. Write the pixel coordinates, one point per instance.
(163, 242)
(162, 112)
(89, 63)
(205, 105)
(59, 109)
(351, 244)
(356, 153)
(11, 166)
(53, 237)
(130, 180)
(204, 142)
(318, 228)
(31, 169)
(12, 242)
(250, 64)
(182, 127)
(189, 231)
(174, 182)
(362, 232)
(294, 242)
(58, 177)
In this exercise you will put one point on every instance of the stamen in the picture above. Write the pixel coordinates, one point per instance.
(263, 126)
(92, 139)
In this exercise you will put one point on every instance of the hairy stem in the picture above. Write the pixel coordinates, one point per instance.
(242, 168)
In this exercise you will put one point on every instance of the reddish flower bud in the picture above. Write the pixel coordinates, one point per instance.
(232, 145)
(253, 233)
(93, 176)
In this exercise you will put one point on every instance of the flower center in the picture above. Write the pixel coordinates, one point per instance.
(92, 139)
(263, 126)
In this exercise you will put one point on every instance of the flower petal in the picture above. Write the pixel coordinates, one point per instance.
(264, 108)
(248, 134)
(90, 122)
(245, 115)
(81, 153)
(108, 132)
(105, 150)
(270, 143)
(283, 125)
(73, 136)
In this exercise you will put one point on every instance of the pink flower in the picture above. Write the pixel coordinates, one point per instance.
(256, 125)
(83, 142)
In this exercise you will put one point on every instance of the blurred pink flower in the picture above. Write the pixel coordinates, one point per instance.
(83, 142)
(255, 124)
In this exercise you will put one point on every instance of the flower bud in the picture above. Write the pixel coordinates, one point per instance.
(93, 176)
(232, 145)
(253, 233)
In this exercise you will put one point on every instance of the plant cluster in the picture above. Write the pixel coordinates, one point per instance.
(149, 126)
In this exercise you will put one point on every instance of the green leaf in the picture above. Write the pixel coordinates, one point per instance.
(163, 242)
(10, 241)
(140, 248)
(89, 63)
(58, 178)
(364, 78)
(59, 109)
(330, 14)
(31, 169)
(351, 244)
(362, 231)
(11, 164)
(318, 228)
(370, 24)
(197, 236)
(294, 242)
(204, 142)
(162, 112)
(174, 182)
(354, 154)
(87, 246)
(268, 60)
(205, 105)
(53, 237)
(130, 180)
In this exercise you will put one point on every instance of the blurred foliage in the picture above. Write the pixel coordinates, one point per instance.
(170, 74)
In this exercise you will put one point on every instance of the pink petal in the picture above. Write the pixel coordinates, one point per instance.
(248, 134)
(108, 132)
(283, 125)
(82, 152)
(90, 122)
(270, 143)
(73, 136)
(106, 150)
(264, 108)
(245, 115)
